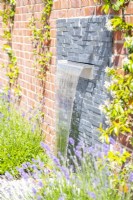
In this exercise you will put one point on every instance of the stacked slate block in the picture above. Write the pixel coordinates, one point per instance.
(86, 40)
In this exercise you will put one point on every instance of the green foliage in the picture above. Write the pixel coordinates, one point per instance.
(41, 39)
(12, 69)
(116, 160)
(118, 109)
(115, 5)
(91, 180)
(119, 24)
(19, 139)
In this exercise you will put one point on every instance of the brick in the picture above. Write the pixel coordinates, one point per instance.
(57, 5)
(65, 4)
(75, 4)
(85, 3)
(53, 33)
(118, 35)
(118, 60)
(119, 49)
(89, 11)
(62, 14)
(99, 10)
(129, 8)
(129, 18)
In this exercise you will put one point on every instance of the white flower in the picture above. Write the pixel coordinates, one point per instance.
(129, 40)
(126, 61)
(107, 69)
(114, 81)
(107, 102)
(113, 94)
(106, 84)
(108, 122)
(109, 26)
(131, 106)
(101, 108)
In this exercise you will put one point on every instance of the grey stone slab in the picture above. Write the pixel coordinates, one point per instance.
(86, 40)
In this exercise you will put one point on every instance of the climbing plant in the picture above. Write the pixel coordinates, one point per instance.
(119, 109)
(41, 41)
(115, 5)
(12, 70)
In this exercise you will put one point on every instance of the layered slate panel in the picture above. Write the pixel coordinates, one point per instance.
(86, 40)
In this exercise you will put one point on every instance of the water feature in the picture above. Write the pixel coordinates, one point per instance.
(68, 74)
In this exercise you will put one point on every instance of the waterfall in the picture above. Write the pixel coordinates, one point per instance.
(68, 74)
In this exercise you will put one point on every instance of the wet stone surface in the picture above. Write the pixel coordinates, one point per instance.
(86, 40)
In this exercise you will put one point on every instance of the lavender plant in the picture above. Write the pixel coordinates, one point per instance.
(19, 139)
(89, 176)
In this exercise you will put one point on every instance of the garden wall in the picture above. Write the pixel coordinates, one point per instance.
(22, 46)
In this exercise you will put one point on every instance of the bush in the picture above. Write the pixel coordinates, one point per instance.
(87, 175)
(19, 139)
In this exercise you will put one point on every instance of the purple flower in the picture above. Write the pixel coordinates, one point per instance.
(20, 170)
(65, 172)
(78, 153)
(106, 148)
(23, 114)
(91, 149)
(9, 96)
(34, 191)
(56, 160)
(39, 198)
(80, 145)
(41, 164)
(71, 141)
(45, 146)
(61, 198)
(99, 154)
(40, 184)
(25, 175)
(131, 177)
(35, 175)
(112, 141)
(24, 166)
(8, 176)
(92, 195)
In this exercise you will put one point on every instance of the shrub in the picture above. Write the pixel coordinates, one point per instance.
(19, 139)
(87, 175)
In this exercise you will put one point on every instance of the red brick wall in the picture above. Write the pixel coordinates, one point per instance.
(23, 50)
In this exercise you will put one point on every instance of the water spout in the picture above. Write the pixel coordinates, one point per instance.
(68, 74)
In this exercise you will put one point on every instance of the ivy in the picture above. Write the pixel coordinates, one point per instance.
(12, 70)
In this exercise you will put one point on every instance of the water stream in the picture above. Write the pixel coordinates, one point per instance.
(68, 74)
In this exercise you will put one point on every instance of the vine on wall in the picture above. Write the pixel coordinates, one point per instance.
(41, 42)
(40, 39)
(118, 109)
(12, 70)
